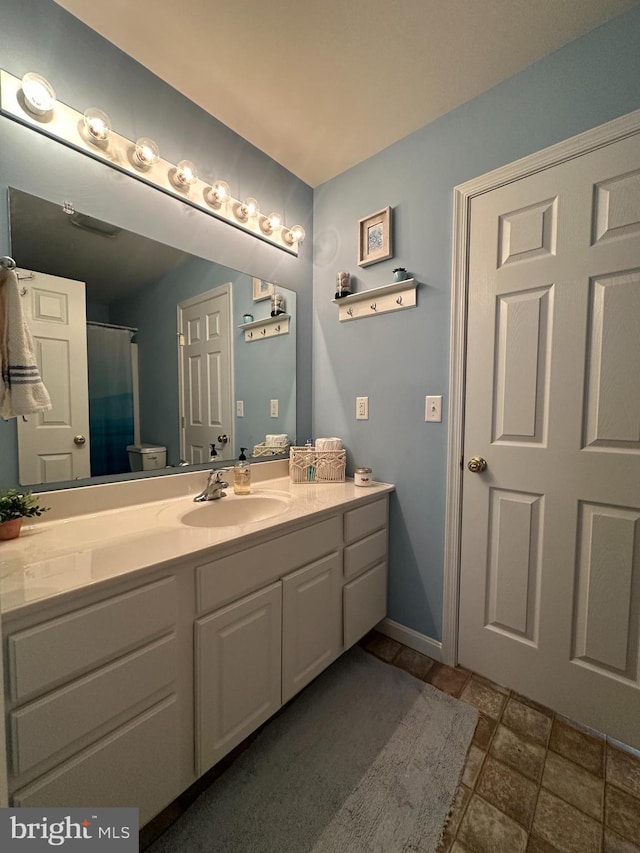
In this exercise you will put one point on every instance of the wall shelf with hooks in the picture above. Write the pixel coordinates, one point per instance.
(378, 300)
(270, 327)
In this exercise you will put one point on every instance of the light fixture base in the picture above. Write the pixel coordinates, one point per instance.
(63, 123)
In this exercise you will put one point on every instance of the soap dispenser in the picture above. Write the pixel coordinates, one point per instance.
(242, 475)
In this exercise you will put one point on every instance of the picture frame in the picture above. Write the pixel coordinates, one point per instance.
(374, 238)
(262, 289)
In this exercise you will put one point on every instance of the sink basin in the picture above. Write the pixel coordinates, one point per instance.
(232, 511)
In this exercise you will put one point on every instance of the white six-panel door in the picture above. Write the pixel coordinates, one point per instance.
(204, 323)
(550, 550)
(55, 445)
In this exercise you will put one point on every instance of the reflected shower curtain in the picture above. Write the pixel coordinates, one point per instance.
(110, 398)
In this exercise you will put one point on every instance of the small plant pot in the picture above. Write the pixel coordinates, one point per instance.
(400, 275)
(10, 529)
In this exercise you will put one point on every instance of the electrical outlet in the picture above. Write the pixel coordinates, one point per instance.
(274, 408)
(240, 408)
(433, 409)
(362, 408)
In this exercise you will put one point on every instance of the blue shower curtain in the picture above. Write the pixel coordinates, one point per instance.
(110, 398)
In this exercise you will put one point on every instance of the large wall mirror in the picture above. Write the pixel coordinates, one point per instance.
(168, 365)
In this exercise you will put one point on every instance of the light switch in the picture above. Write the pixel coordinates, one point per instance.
(240, 408)
(274, 408)
(433, 409)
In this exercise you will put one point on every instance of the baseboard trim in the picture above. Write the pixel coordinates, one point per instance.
(413, 639)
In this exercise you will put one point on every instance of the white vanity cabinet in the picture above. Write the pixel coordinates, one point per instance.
(95, 702)
(125, 692)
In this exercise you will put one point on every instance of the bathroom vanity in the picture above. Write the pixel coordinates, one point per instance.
(142, 644)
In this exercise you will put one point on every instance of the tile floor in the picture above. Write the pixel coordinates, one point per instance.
(533, 782)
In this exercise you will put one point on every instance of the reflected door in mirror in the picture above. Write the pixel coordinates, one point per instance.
(206, 392)
(55, 311)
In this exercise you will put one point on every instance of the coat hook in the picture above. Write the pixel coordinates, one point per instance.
(399, 300)
(23, 291)
(373, 306)
(350, 312)
(250, 334)
(278, 327)
(263, 332)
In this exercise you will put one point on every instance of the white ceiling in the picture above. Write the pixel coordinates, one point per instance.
(321, 85)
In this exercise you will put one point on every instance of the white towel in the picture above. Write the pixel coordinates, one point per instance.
(328, 444)
(22, 391)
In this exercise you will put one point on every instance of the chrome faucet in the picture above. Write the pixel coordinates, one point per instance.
(213, 490)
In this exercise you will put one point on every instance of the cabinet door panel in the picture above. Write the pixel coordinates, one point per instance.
(124, 769)
(43, 657)
(312, 623)
(222, 581)
(364, 554)
(365, 603)
(238, 668)
(366, 519)
(61, 718)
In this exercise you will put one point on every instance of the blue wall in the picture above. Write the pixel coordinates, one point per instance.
(263, 370)
(397, 359)
(86, 70)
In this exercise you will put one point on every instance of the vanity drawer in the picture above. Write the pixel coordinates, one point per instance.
(365, 553)
(57, 651)
(48, 725)
(124, 769)
(364, 603)
(229, 578)
(366, 519)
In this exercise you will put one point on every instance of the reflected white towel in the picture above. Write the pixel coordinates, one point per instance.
(280, 439)
(22, 391)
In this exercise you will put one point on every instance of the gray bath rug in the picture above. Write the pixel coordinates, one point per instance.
(366, 760)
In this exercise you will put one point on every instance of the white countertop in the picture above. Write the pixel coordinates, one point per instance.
(67, 554)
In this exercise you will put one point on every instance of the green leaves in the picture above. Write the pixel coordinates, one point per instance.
(15, 504)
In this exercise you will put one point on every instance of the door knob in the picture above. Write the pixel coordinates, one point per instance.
(223, 439)
(477, 464)
(79, 440)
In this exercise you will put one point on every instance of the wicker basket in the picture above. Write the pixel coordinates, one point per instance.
(308, 465)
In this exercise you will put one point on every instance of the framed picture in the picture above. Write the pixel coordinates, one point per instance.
(262, 289)
(374, 238)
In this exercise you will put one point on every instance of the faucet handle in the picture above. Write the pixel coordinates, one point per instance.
(214, 476)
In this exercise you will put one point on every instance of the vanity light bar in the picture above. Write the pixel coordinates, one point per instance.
(87, 132)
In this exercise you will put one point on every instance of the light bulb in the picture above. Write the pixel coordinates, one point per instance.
(146, 152)
(271, 223)
(97, 124)
(293, 235)
(185, 174)
(218, 193)
(39, 95)
(247, 209)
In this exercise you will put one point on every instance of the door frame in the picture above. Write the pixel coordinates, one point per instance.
(463, 195)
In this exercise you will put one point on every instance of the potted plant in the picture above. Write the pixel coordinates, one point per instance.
(400, 274)
(14, 507)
